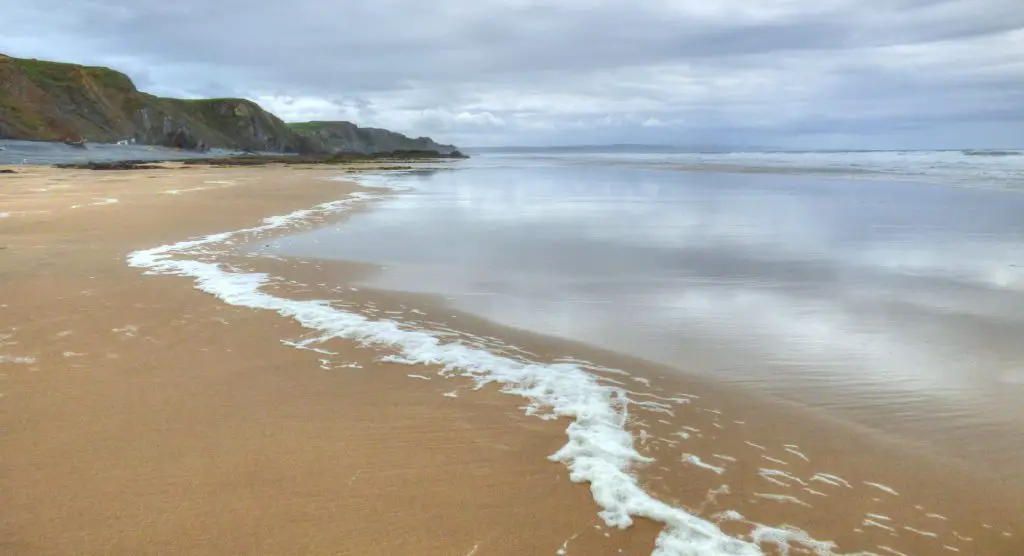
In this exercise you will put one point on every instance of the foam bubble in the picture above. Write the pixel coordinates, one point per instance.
(700, 463)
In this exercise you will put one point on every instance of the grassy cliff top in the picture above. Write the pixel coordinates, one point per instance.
(62, 74)
(314, 126)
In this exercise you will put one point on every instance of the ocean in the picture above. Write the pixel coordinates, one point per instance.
(895, 304)
(808, 350)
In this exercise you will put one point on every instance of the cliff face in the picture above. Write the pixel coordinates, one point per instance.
(50, 101)
(348, 137)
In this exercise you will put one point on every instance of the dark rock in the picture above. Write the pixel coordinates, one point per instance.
(123, 165)
(347, 137)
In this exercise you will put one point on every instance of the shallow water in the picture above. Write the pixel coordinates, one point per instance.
(41, 152)
(895, 305)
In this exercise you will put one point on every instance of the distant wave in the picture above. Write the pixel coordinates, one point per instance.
(992, 153)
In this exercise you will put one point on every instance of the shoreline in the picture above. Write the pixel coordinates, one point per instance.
(141, 415)
(884, 475)
(564, 508)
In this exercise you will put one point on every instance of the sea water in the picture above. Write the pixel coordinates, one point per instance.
(895, 304)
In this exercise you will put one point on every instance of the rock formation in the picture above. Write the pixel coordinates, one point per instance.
(50, 101)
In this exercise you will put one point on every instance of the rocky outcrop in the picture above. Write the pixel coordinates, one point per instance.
(201, 124)
(348, 137)
(50, 101)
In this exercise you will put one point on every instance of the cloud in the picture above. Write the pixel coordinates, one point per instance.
(865, 73)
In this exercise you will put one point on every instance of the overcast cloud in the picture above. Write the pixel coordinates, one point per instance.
(784, 73)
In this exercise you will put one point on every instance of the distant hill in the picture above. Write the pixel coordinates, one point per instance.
(348, 137)
(51, 101)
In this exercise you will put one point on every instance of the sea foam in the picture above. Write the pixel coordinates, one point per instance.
(599, 450)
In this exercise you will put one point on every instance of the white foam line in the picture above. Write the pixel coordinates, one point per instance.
(304, 345)
(774, 460)
(180, 191)
(950, 548)
(99, 202)
(796, 452)
(421, 377)
(879, 517)
(772, 475)
(922, 533)
(937, 516)
(892, 551)
(655, 407)
(695, 460)
(882, 487)
(730, 515)
(783, 498)
(758, 446)
(599, 450)
(17, 360)
(685, 399)
(873, 523)
(783, 537)
(833, 480)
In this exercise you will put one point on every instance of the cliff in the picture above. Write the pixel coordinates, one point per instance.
(50, 101)
(348, 137)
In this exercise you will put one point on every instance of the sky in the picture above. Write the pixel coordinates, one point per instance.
(858, 74)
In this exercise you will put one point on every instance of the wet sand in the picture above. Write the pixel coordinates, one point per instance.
(720, 448)
(140, 415)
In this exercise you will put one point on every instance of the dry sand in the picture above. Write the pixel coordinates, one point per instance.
(141, 416)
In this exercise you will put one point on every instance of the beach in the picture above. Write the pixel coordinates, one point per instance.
(143, 415)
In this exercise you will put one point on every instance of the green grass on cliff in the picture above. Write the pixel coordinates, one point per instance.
(305, 126)
(213, 101)
(61, 74)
